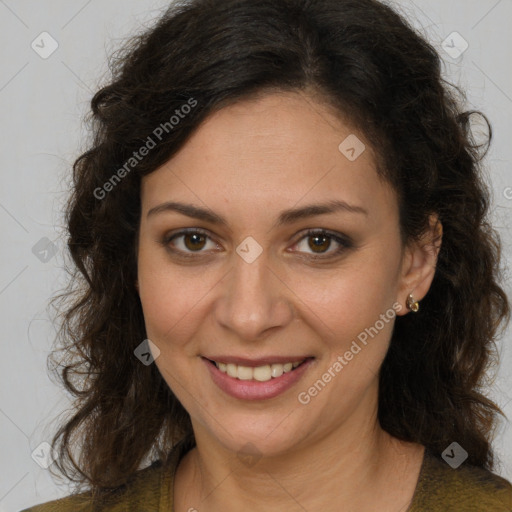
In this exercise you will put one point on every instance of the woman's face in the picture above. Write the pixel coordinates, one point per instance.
(248, 288)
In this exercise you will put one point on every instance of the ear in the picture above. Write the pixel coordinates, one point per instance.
(419, 264)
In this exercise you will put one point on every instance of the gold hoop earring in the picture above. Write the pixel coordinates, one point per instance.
(412, 305)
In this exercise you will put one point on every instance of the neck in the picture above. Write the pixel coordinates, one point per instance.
(358, 463)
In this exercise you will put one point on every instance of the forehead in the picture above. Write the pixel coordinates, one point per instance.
(271, 152)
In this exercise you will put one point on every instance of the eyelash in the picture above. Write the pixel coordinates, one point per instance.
(343, 241)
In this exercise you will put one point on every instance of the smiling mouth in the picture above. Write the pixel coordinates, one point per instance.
(262, 373)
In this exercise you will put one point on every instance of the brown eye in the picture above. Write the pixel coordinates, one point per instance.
(194, 241)
(189, 242)
(323, 244)
(319, 243)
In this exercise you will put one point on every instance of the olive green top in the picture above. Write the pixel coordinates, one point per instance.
(439, 489)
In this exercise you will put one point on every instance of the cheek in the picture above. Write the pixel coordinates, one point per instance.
(351, 311)
(352, 297)
(167, 297)
(175, 299)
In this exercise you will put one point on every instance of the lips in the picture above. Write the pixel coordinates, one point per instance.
(256, 379)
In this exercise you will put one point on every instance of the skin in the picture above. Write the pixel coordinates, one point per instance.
(248, 162)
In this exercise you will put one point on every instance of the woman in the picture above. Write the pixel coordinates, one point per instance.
(287, 290)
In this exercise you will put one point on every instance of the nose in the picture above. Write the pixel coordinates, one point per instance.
(254, 300)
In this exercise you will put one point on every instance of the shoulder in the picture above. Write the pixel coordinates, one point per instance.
(150, 489)
(143, 490)
(80, 503)
(465, 489)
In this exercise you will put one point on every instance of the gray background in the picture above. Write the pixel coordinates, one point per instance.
(42, 104)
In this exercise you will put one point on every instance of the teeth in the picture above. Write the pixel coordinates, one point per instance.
(262, 373)
(259, 373)
(232, 370)
(244, 373)
(277, 370)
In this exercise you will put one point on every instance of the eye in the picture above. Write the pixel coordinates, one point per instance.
(315, 242)
(189, 241)
(320, 241)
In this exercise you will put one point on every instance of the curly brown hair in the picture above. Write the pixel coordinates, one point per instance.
(360, 57)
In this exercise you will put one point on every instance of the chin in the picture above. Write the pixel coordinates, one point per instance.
(258, 434)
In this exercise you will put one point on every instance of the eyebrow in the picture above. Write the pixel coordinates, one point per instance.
(285, 217)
